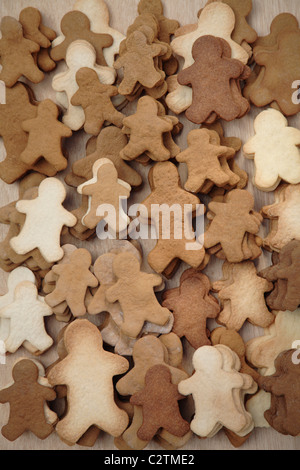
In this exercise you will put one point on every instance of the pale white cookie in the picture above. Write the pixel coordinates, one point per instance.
(26, 314)
(275, 150)
(45, 217)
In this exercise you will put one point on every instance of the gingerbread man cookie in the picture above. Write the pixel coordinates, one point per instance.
(45, 135)
(87, 371)
(45, 217)
(134, 291)
(27, 398)
(16, 54)
(95, 98)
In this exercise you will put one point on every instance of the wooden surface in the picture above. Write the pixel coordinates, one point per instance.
(122, 14)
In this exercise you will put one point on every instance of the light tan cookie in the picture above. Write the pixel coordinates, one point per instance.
(96, 100)
(134, 291)
(74, 278)
(173, 241)
(242, 296)
(232, 219)
(87, 371)
(203, 159)
(106, 194)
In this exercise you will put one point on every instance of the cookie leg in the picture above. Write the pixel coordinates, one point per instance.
(41, 430)
(13, 429)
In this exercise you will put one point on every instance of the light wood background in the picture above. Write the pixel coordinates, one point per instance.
(123, 13)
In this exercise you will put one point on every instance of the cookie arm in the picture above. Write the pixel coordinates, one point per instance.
(250, 147)
(154, 279)
(252, 225)
(263, 55)
(273, 210)
(5, 312)
(119, 63)
(183, 157)
(215, 207)
(92, 280)
(183, 78)
(294, 135)
(32, 46)
(27, 125)
(48, 393)
(155, 50)
(64, 131)
(68, 219)
(137, 399)
(226, 152)
(24, 206)
(77, 98)
(57, 374)
(233, 67)
(60, 81)
(120, 365)
(112, 294)
(186, 387)
(170, 304)
(5, 394)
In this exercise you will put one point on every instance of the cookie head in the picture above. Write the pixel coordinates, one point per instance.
(86, 77)
(211, 15)
(150, 6)
(25, 371)
(207, 358)
(19, 274)
(47, 107)
(52, 189)
(108, 135)
(148, 347)
(193, 137)
(81, 335)
(74, 21)
(189, 286)
(30, 17)
(103, 268)
(242, 198)
(136, 40)
(11, 29)
(126, 265)
(269, 121)
(148, 105)
(282, 22)
(160, 370)
(160, 170)
(25, 290)
(106, 172)
(81, 258)
(207, 49)
(86, 58)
